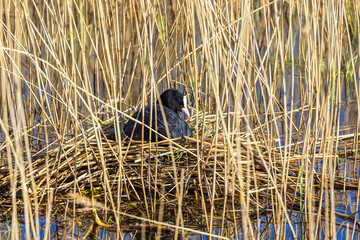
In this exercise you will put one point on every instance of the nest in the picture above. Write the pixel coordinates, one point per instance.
(199, 172)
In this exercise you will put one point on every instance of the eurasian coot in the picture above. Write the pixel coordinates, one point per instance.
(173, 102)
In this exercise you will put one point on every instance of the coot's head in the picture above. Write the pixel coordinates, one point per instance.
(175, 100)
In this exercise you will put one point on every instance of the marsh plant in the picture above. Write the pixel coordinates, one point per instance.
(273, 88)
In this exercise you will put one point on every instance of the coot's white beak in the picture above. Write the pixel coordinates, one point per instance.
(185, 110)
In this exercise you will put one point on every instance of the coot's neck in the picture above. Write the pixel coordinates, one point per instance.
(165, 104)
(162, 103)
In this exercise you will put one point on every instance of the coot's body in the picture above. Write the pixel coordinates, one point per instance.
(173, 102)
(176, 125)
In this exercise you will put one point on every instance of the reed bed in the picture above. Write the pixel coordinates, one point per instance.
(274, 93)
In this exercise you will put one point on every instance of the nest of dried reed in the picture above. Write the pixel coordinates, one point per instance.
(202, 172)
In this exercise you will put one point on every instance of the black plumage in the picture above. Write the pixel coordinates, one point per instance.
(173, 102)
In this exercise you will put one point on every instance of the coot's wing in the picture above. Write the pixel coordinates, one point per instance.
(176, 125)
(134, 130)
